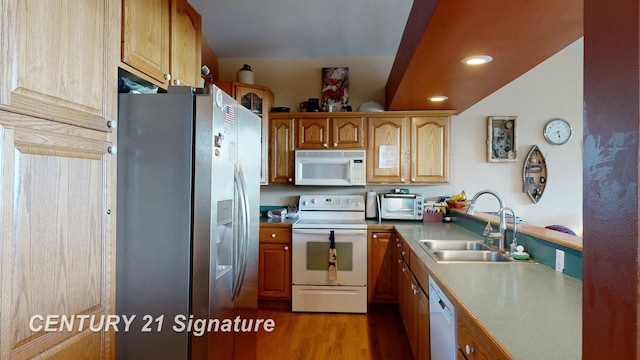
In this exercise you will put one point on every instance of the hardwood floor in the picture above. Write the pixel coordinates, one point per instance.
(306, 336)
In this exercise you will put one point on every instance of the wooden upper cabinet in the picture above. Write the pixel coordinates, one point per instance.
(259, 100)
(59, 62)
(146, 27)
(332, 133)
(347, 133)
(161, 41)
(408, 148)
(186, 25)
(430, 149)
(386, 149)
(58, 92)
(312, 133)
(403, 147)
(281, 150)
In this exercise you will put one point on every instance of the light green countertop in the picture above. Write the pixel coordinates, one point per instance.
(532, 310)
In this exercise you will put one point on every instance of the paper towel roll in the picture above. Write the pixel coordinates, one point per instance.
(371, 210)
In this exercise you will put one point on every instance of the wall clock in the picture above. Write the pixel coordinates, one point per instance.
(557, 131)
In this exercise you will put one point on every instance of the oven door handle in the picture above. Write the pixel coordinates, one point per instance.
(326, 232)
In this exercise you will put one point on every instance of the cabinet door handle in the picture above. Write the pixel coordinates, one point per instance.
(399, 244)
(273, 235)
(399, 261)
(335, 144)
(469, 349)
(375, 236)
(290, 180)
(403, 253)
(325, 145)
(167, 77)
(112, 150)
(286, 248)
(402, 180)
(413, 179)
(404, 269)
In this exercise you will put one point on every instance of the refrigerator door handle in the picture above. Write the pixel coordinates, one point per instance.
(243, 238)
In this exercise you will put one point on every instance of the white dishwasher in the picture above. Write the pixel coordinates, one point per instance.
(442, 325)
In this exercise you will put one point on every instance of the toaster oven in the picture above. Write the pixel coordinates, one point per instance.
(401, 206)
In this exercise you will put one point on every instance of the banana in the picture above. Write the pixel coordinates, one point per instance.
(459, 197)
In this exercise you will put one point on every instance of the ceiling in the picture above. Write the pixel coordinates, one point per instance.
(427, 37)
(303, 28)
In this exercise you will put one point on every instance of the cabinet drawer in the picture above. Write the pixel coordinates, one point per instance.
(275, 234)
(474, 343)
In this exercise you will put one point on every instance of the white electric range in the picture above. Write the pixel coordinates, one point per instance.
(329, 222)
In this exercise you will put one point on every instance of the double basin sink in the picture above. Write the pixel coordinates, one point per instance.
(463, 251)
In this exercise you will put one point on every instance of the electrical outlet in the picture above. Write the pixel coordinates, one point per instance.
(559, 260)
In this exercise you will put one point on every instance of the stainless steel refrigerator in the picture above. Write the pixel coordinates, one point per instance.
(187, 223)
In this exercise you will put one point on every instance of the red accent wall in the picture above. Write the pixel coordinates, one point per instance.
(610, 192)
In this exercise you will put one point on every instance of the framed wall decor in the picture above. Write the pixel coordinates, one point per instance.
(335, 88)
(502, 139)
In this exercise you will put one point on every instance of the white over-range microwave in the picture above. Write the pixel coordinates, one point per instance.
(330, 167)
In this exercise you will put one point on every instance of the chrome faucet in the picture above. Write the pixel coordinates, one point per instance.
(514, 243)
(503, 221)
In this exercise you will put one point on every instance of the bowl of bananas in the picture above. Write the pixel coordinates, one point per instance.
(458, 201)
(458, 204)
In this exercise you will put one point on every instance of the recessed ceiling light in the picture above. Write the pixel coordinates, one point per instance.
(437, 98)
(476, 60)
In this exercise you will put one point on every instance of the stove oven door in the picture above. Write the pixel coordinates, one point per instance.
(310, 257)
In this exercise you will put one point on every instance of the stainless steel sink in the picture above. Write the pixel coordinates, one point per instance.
(470, 256)
(453, 245)
(463, 251)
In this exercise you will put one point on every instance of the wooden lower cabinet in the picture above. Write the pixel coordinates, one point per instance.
(408, 309)
(274, 262)
(383, 269)
(474, 343)
(57, 249)
(424, 335)
(414, 311)
(411, 276)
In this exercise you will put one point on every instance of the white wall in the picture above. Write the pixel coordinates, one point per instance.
(552, 89)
